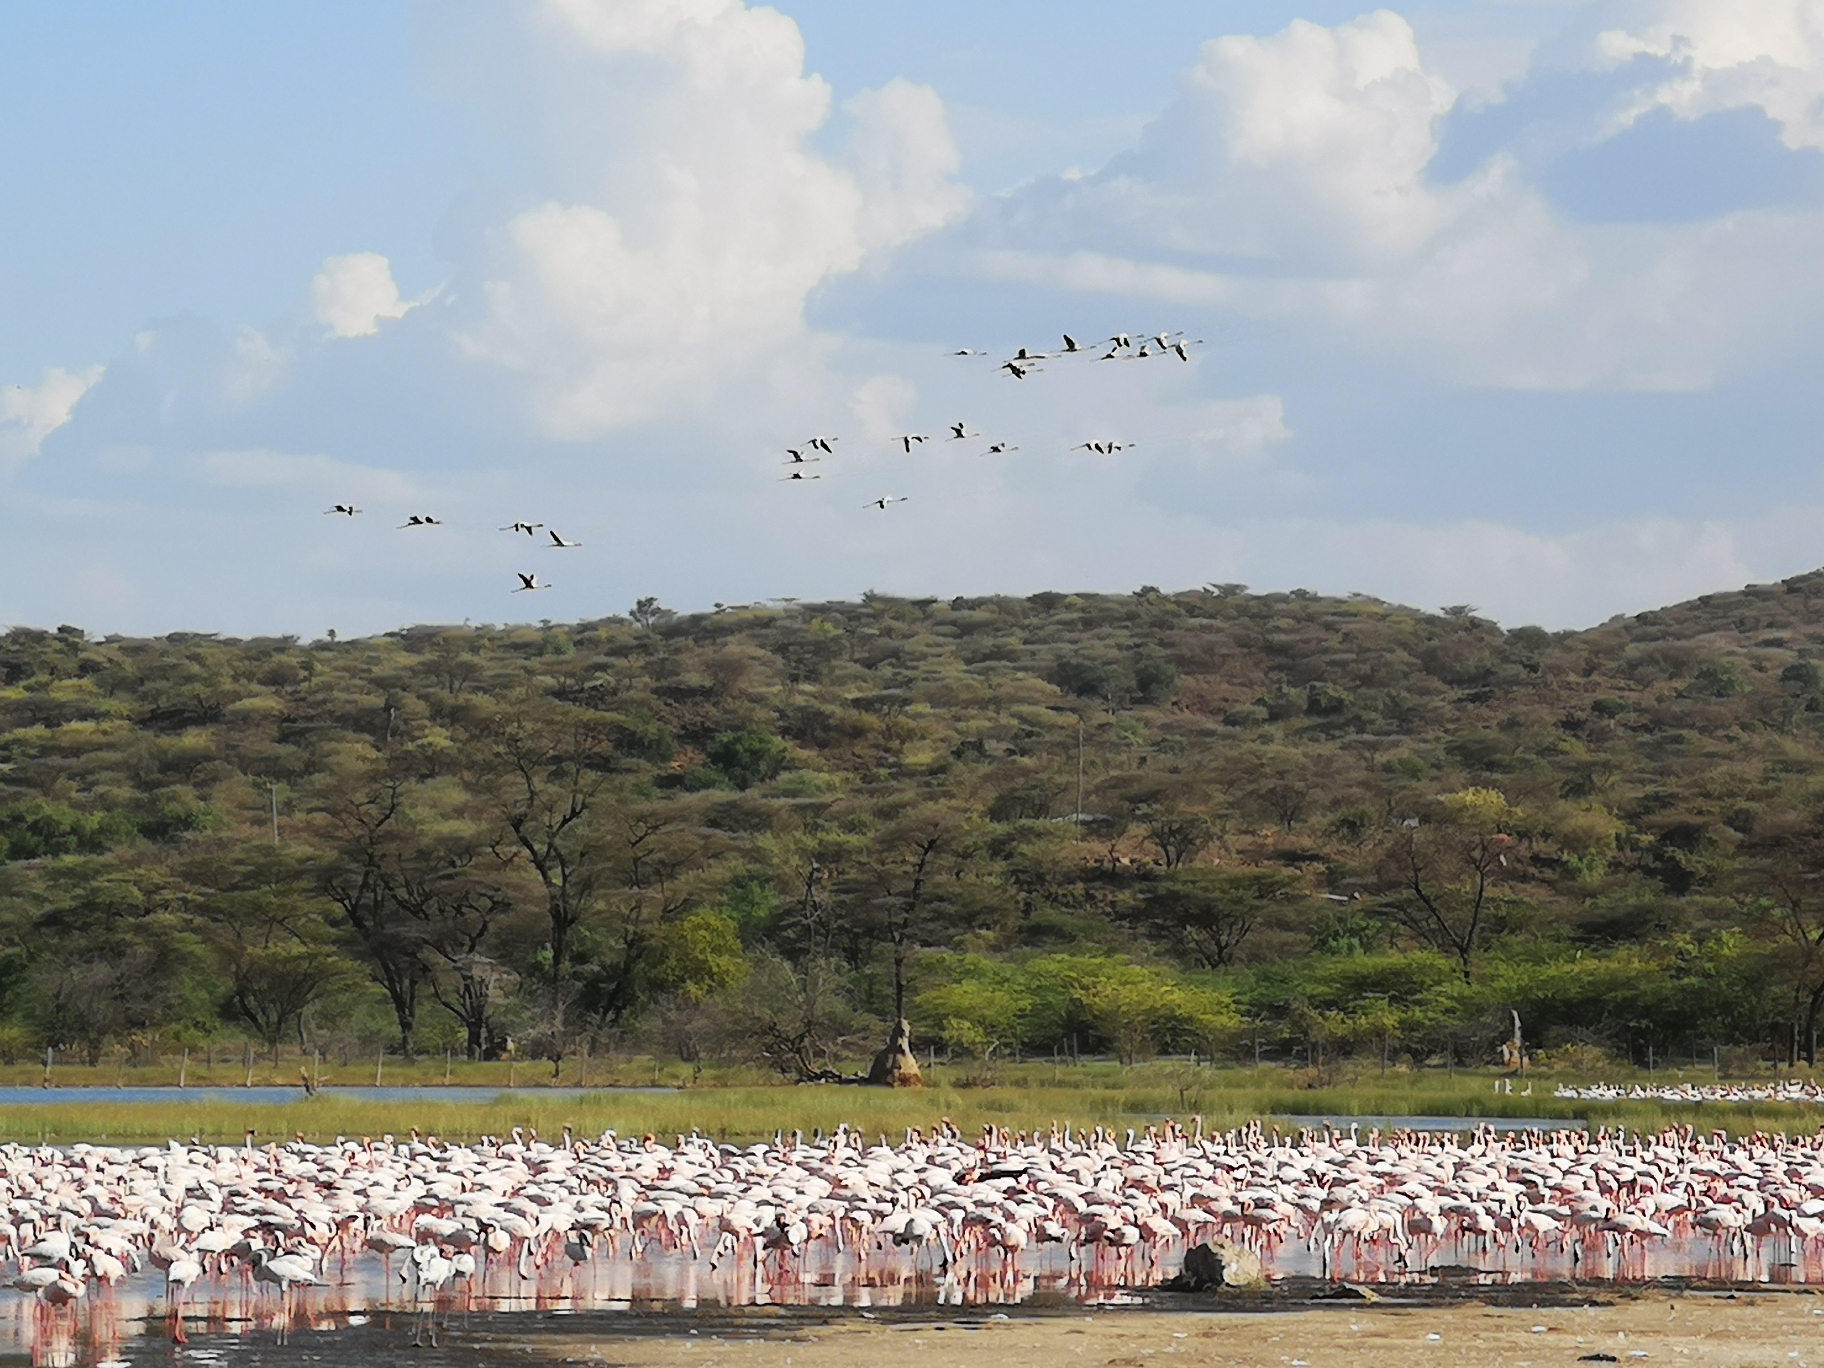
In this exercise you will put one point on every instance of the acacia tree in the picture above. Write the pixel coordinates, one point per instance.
(916, 877)
(810, 868)
(649, 853)
(546, 768)
(274, 984)
(1780, 884)
(1442, 879)
(457, 906)
(368, 835)
(1180, 835)
(113, 958)
(449, 881)
(255, 905)
(1210, 912)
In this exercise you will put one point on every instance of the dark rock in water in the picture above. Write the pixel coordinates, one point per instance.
(1448, 1272)
(1345, 1292)
(1218, 1264)
(1596, 1358)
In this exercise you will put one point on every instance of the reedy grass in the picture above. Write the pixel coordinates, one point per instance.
(1021, 1097)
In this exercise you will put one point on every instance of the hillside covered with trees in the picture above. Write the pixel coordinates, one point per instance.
(1219, 821)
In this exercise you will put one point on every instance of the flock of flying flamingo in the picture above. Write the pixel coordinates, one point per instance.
(529, 582)
(440, 1227)
(1024, 362)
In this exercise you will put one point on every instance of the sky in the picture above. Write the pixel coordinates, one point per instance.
(1516, 304)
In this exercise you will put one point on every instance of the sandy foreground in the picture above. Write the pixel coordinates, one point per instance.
(1780, 1329)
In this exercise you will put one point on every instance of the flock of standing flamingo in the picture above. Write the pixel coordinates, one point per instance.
(280, 1231)
(1797, 1090)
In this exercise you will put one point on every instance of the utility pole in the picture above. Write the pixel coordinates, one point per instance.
(1079, 776)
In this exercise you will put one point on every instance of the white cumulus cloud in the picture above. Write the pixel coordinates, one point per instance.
(1307, 146)
(712, 217)
(30, 414)
(1331, 125)
(1763, 53)
(1290, 182)
(353, 293)
(902, 157)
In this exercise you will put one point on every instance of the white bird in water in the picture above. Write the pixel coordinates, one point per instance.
(421, 520)
(558, 542)
(911, 439)
(429, 1269)
(35, 1280)
(183, 1271)
(284, 1271)
(528, 528)
(348, 510)
(528, 583)
(886, 499)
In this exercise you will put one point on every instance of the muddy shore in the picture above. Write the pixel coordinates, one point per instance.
(1498, 1327)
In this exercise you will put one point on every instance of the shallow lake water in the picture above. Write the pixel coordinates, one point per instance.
(128, 1323)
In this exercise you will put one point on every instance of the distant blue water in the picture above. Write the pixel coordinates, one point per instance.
(277, 1096)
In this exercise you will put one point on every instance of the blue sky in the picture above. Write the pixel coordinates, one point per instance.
(1514, 304)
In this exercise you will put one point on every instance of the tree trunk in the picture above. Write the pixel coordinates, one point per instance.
(1808, 1042)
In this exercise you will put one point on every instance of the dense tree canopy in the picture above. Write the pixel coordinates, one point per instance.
(1060, 823)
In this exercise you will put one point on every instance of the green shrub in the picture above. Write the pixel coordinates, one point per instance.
(1718, 679)
(1155, 680)
(749, 756)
